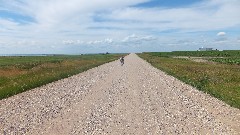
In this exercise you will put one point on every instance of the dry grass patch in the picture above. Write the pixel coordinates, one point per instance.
(9, 72)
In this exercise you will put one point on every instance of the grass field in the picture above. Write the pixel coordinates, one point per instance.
(18, 74)
(224, 57)
(220, 80)
(224, 53)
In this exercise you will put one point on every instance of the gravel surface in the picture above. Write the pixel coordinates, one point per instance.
(135, 98)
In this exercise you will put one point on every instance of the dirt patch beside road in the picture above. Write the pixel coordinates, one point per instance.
(197, 59)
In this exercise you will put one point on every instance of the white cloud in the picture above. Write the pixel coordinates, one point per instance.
(47, 12)
(222, 38)
(135, 38)
(92, 42)
(130, 37)
(68, 42)
(54, 15)
(221, 33)
(55, 20)
(108, 40)
(213, 15)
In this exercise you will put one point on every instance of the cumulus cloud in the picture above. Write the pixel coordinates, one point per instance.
(92, 42)
(105, 41)
(221, 37)
(135, 38)
(68, 42)
(221, 33)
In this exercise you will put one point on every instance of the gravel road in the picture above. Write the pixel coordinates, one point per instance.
(135, 98)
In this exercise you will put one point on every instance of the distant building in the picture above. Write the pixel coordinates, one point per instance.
(205, 49)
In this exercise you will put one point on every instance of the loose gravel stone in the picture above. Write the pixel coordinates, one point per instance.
(135, 98)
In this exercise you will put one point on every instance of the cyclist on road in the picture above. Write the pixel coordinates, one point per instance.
(122, 60)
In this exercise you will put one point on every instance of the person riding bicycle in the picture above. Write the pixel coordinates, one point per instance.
(122, 60)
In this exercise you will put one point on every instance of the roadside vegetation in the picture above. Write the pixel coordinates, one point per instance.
(224, 53)
(19, 74)
(220, 79)
(225, 56)
(227, 60)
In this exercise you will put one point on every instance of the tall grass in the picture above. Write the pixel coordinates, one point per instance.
(18, 74)
(220, 80)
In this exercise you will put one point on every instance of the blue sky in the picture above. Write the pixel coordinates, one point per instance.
(168, 3)
(80, 26)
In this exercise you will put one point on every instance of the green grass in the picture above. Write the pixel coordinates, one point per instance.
(220, 80)
(224, 53)
(19, 74)
(227, 60)
(224, 57)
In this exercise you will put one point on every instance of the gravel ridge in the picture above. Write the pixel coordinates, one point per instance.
(135, 98)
